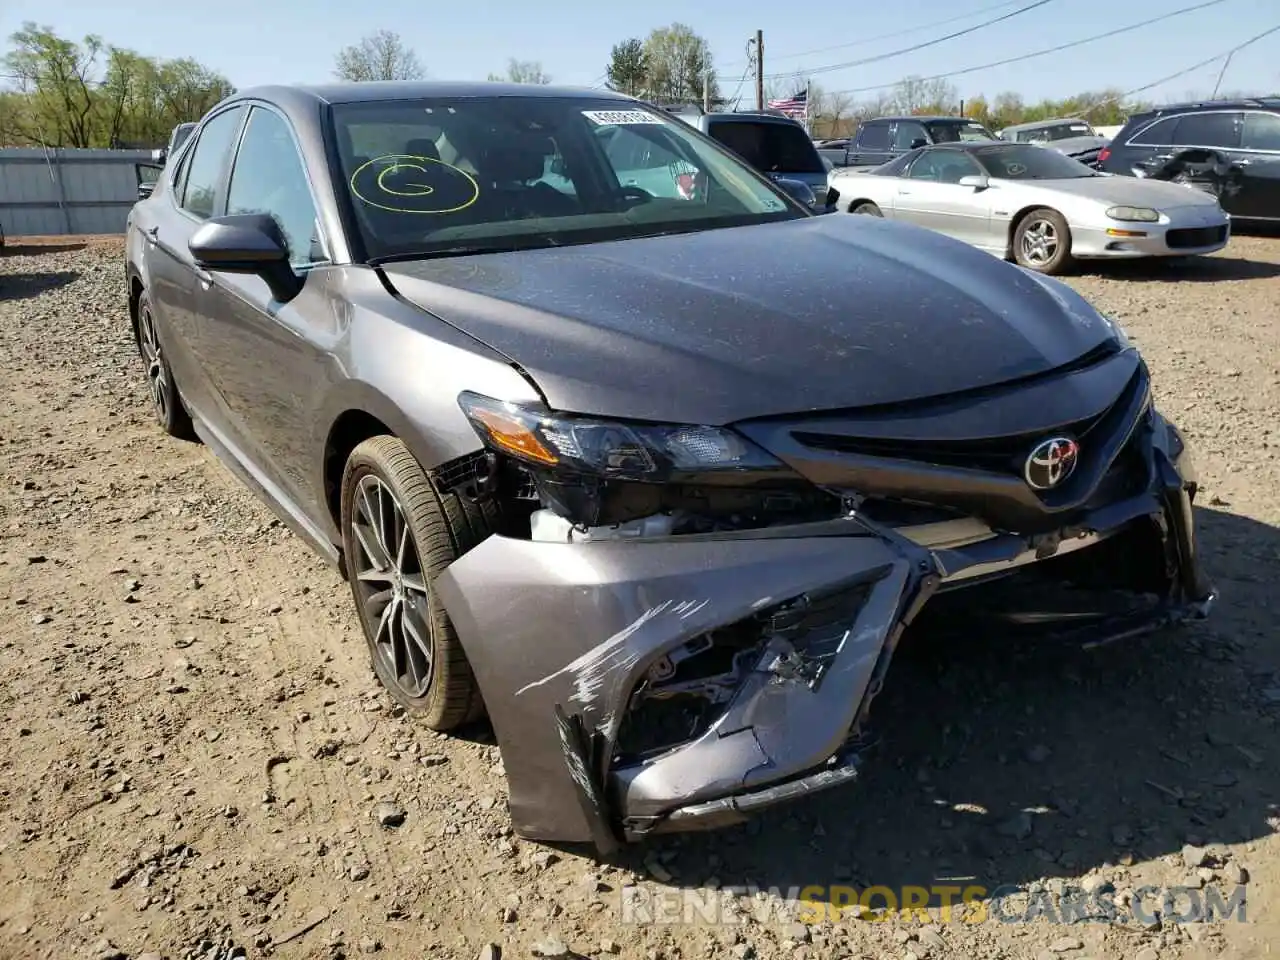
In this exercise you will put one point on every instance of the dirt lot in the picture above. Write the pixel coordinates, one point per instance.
(196, 761)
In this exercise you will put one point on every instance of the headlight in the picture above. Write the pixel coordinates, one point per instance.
(1139, 214)
(612, 449)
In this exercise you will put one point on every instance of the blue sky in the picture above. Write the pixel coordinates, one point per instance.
(257, 41)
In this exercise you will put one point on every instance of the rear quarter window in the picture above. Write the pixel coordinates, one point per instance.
(769, 147)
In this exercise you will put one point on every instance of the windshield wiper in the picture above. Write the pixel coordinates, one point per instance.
(447, 252)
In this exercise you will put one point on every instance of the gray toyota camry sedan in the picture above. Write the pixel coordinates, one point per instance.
(623, 448)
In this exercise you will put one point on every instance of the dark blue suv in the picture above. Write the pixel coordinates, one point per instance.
(1245, 133)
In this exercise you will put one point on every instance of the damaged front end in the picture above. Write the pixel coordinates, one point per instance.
(679, 626)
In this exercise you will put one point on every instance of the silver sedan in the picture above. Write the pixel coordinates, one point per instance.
(1035, 205)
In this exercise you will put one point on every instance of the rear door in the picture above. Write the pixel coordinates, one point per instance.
(1259, 162)
(871, 147)
(1145, 150)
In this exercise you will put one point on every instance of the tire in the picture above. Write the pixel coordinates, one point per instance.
(166, 403)
(413, 646)
(1042, 241)
(866, 208)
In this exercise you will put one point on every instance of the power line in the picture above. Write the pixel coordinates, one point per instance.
(889, 36)
(1182, 73)
(1026, 8)
(1048, 50)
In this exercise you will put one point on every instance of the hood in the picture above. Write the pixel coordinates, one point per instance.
(820, 313)
(1134, 192)
(1074, 145)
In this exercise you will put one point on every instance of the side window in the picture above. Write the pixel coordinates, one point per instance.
(1261, 131)
(206, 161)
(873, 136)
(943, 166)
(906, 133)
(640, 162)
(1208, 130)
(269, 177)
(1159, 134)
(925, 167)
(627, 150)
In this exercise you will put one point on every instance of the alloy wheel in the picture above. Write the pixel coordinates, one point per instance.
(157, 372)
(392, 587)
(1039, 242)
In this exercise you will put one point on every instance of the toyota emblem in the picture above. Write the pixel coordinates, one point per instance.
(1050, 463)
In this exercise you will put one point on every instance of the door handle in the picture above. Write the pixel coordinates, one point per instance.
(205, 278)
(1243, 163)
(153, 233)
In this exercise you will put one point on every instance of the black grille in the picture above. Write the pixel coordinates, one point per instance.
(1190, 237)
(1000, 455)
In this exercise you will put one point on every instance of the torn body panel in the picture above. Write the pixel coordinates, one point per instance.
(578, 626)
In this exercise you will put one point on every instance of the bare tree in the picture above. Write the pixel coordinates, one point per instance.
(916, 95)
(378, 56)
(522, 71)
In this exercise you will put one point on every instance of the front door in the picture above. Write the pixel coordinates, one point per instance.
(176, 286)
(271, 363)
(1259, 162)
(930, 195)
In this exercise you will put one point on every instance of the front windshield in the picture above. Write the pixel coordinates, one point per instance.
(966, 132)
(1018, 161)
(475, 174)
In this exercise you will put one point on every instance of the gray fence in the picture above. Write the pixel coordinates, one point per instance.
(67, 191)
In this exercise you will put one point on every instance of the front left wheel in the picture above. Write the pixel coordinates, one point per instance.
(166, 404)
(398, 535)
(1042, 242)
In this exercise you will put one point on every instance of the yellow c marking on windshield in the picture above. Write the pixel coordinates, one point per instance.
(465, 185)
(419, 189)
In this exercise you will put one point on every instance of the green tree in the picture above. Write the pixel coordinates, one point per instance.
(679, 62)
(628, 70)
(90, 94)
(378, 56)
(57, 76)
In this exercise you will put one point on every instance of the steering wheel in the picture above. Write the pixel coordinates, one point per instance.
(636, 194)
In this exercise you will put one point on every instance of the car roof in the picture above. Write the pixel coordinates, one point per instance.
(1044, 123)
(927, 119)
(379, 90)
(752, 115)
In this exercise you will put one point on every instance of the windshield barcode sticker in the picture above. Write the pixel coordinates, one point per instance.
(614, 117)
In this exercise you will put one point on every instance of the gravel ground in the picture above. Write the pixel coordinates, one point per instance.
(197, 764)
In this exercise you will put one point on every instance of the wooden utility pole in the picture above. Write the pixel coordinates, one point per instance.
(759, 69)
(706, 92)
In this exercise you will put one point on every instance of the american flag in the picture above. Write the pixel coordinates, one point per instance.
(796, 106)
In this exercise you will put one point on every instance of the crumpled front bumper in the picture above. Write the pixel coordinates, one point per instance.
(560, 634)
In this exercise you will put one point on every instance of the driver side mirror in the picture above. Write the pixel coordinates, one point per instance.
(250, 243)
(798, 191)
(917, 143)
(977, 182)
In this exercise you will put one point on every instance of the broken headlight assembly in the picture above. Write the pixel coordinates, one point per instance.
(594, 472)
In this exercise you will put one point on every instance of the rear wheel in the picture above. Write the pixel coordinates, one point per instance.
(1042, 241)
(398, 536)
(165, 402)
(867, 209)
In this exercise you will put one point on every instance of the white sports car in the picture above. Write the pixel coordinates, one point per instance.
(1035, 205)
